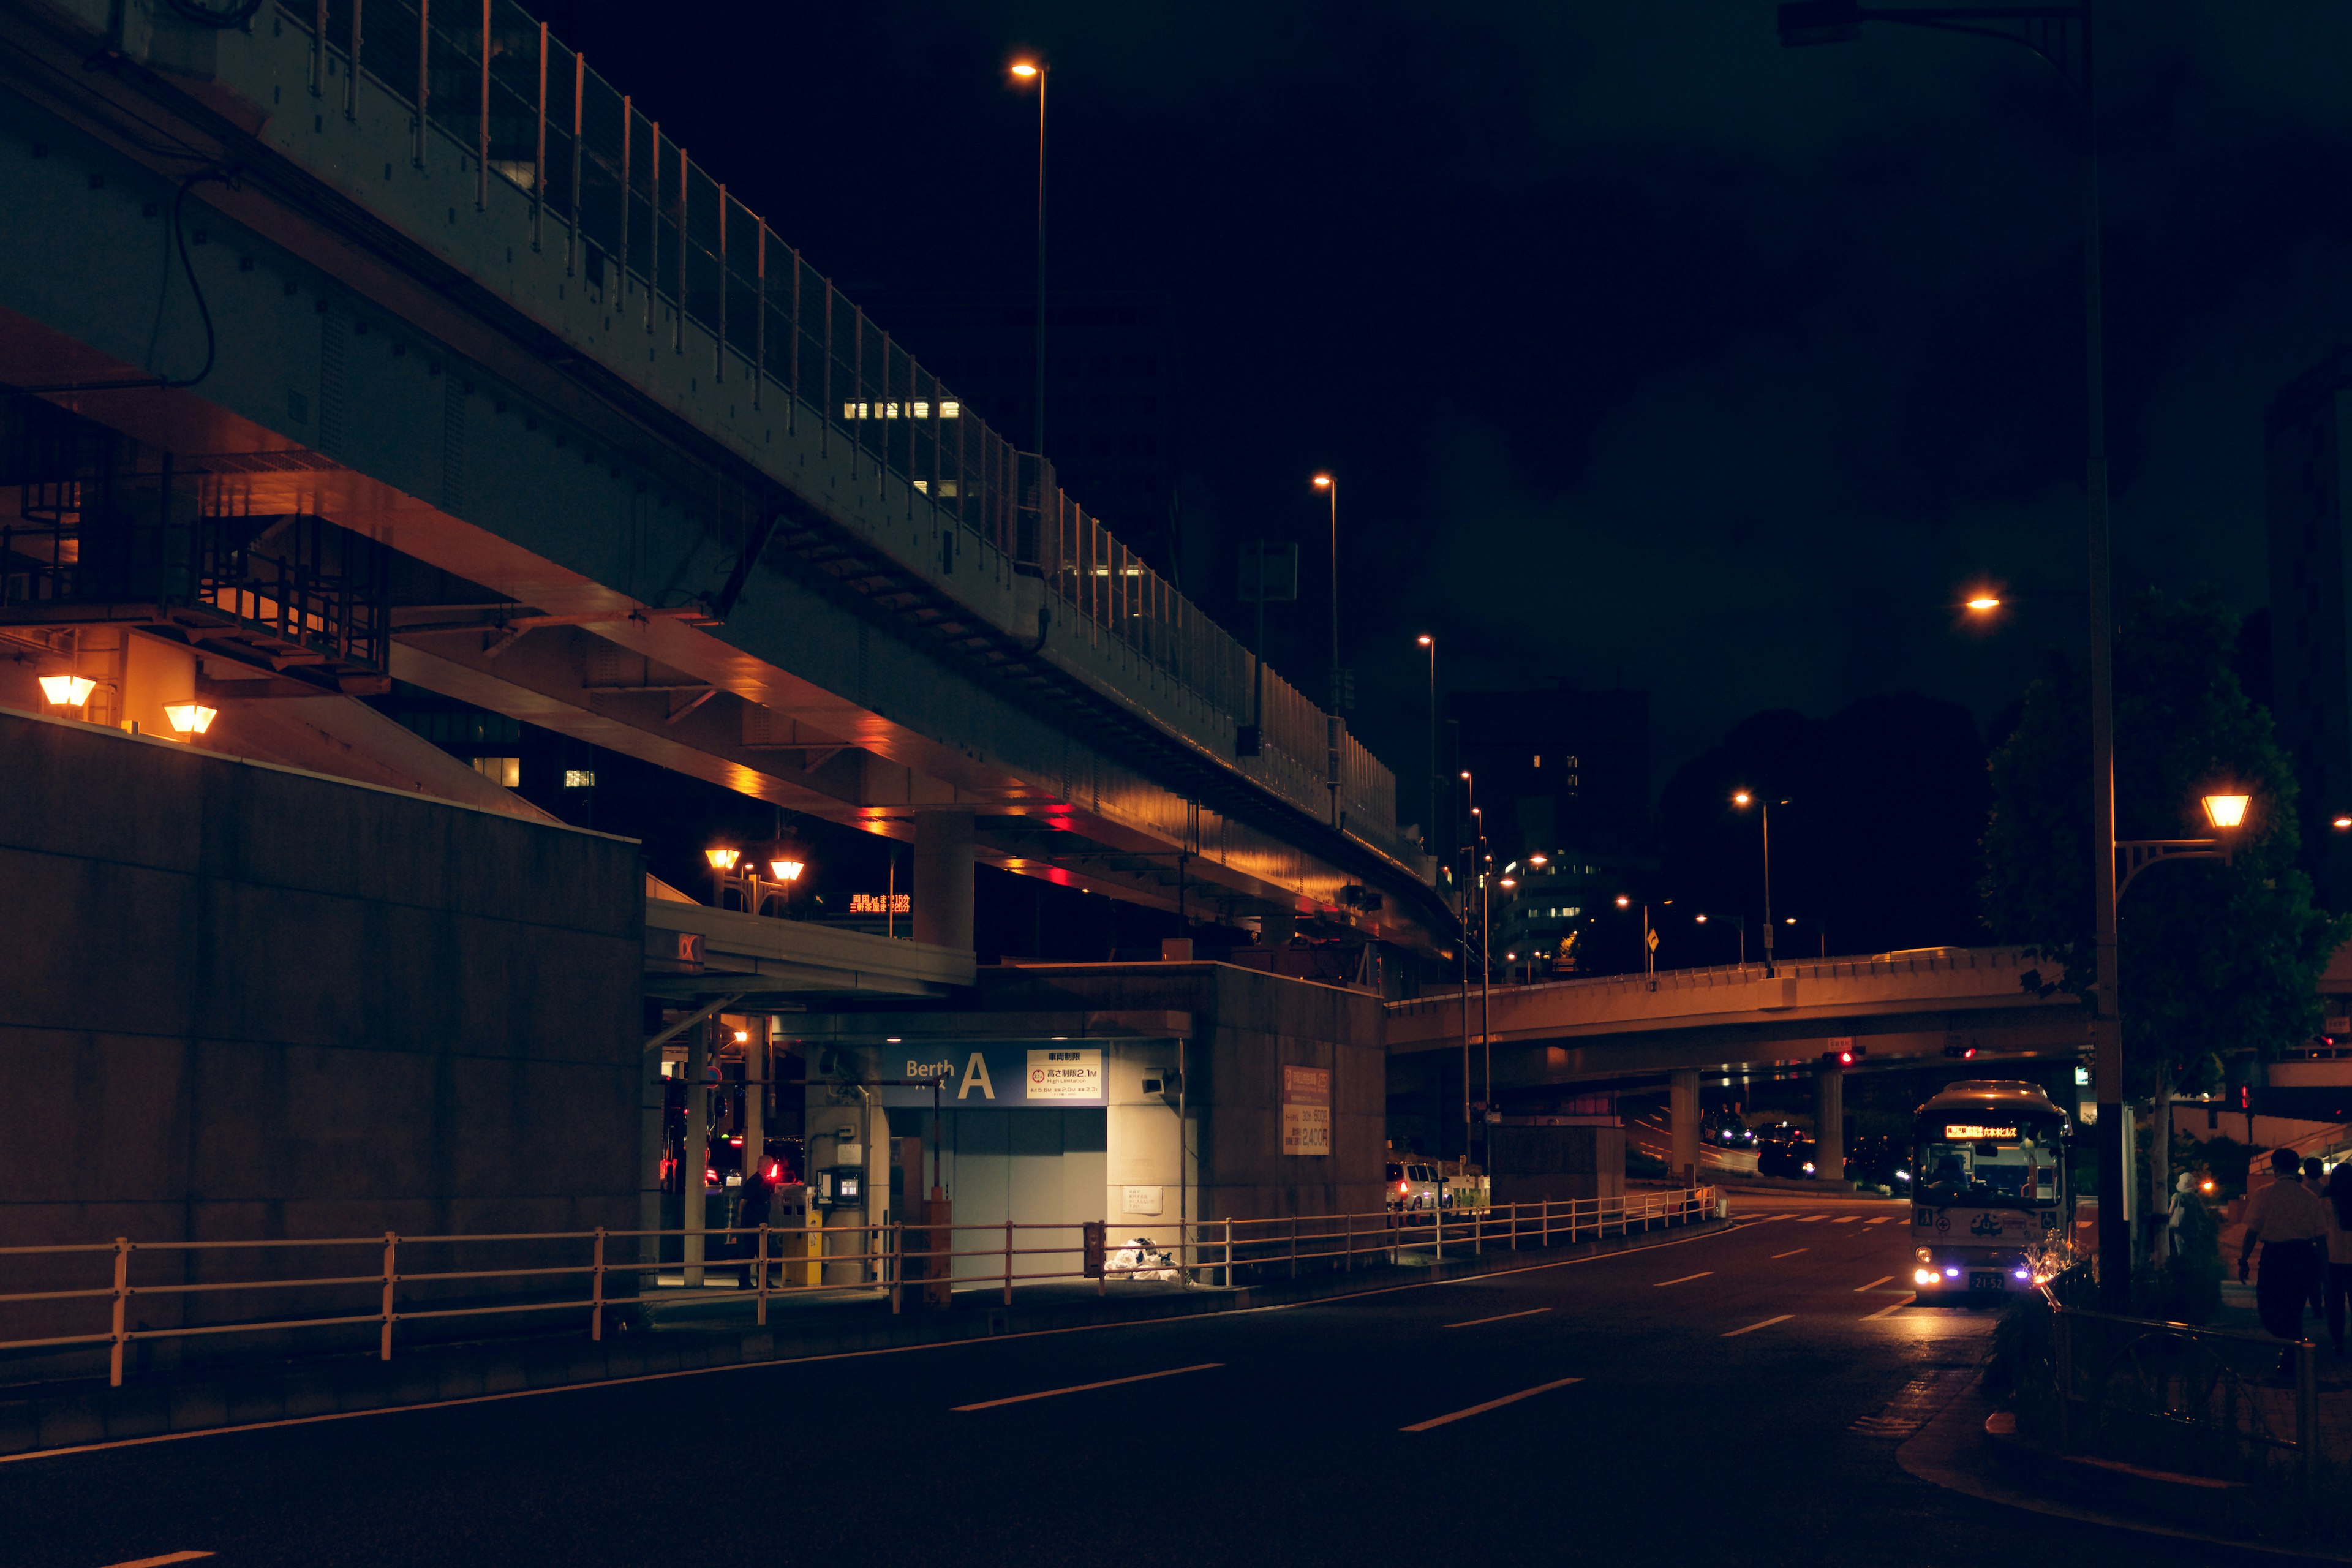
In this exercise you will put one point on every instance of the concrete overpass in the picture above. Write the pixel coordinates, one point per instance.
(1685, 1027)
(453, 368)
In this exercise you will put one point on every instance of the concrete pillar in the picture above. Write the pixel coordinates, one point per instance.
(1828, 1123)
(697, 1157)
(1682, 1124)
(944, 856)
(755, 1089)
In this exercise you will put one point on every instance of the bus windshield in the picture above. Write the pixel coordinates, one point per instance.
(2013, 1163)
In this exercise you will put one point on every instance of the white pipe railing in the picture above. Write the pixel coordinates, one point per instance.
(775, 1262)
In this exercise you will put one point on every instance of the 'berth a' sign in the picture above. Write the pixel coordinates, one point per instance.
(1305, 1110)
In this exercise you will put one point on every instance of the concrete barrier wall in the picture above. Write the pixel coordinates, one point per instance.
(238, 1001)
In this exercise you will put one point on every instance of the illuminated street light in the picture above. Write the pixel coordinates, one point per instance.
(722, 859)
(1984, 604)
(786, 870)
(1538, 860)
(1036, 71)
(189, 719)
(1623, 902)
(67, 690)
(2225, 810)
(2343, 823)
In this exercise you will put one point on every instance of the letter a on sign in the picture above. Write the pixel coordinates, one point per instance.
(975, 1072)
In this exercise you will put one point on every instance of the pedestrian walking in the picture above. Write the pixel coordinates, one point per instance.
(2314, 1176)
(2339, 1250)
(753, 1208)
(2291, 1222)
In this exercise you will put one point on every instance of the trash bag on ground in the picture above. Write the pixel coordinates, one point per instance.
(1140, 1260)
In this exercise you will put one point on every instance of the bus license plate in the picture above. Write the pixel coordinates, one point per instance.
(1985, 1279)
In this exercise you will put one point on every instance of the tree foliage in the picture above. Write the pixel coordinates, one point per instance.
(2215, 959)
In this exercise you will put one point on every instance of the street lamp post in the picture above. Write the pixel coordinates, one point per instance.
(1037, 71)
(1330, 487)
(722, 860)
(1428, 834)
(1741, 799)
(1463, 897)
(2062, 35)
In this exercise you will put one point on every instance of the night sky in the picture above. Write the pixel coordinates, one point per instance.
(1643, 347)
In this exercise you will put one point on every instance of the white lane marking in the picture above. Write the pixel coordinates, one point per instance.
(29, 1456)
(1811, 1218)
(1768, 1219)
(1764, 1324)
(1683, 1280)
(159, 1562)
(1778, 1256)
(1890, 1312)
(1502, 1318)
(1845, 1219)
(1881, 1219)
(1873, 1284)
(1490, 1404)
(1086, 1387)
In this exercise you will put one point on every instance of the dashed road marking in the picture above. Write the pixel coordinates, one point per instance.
(1791, 1253)
(1490, 1404)
(1873, 1284)
(1846, 1219)
(1086, 1387)
(1811, 1218)
(1881, 1219)
(1764, 1324)
(1499, 1318)
(1685, 1279)
(1890, 1312)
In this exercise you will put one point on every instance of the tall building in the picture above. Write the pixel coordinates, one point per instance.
(1561, 780)
(1111, 372)
(2306, 429)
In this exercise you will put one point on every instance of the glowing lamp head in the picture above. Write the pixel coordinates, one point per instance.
(1025, 69)
(1538, 860)
(722, 859)
(1701, 919)
(189, 718)
(1424, 640)
(1984, 604)
(1623, 902)
(2343, 825)
(1322, 481)
(786, 870)
(67, 690)
(1510, 882)
(1740, 797)
(2226, 811)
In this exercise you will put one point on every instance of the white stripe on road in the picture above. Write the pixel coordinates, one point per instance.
(1764, 1324)
(1811, 1218)
(1683, 1280)
(1490, 1404)
(1768, 1219)
(1881, 1219)
(1890, 1312)
(1086, 1387)
(159, 1562)
(1506, 1317)
(1845, 1219)
(1873, 1284)
(1778, 1256)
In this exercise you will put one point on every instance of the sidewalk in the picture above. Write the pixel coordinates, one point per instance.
(677, 1332)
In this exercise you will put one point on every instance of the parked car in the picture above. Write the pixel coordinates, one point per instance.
(1417, 1185)
(1792, 1157)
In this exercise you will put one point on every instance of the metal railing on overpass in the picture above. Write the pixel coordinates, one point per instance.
(593, 1274)
(631, 212)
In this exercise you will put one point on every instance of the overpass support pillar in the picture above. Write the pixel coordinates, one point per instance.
(1828, 1123)
(1682, 1124)
(944, 858)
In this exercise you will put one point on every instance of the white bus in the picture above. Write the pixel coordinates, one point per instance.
(1991, 1190)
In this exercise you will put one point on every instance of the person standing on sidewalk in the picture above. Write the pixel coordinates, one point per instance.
(2314, 1176)
(2339, 1250)
(2291, 1222)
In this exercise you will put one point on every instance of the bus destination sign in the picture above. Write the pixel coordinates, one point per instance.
(1968, 1132)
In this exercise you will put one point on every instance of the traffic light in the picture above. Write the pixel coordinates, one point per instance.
(1844, 1055)
(1960, 1052)
(2246, 1096)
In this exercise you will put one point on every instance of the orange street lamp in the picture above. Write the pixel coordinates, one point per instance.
(1984, 604)
(722, 860)
(189, 719)
(67, 690)
(2226, 811)
(1036, 71)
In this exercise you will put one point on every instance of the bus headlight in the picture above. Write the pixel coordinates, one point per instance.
(1925, 1256)
(1923, 1277)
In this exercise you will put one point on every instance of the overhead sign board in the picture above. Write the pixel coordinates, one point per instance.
(997, 1075)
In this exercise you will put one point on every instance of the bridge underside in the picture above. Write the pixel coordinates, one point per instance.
(554, 539)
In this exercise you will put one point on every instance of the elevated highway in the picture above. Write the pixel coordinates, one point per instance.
(452, 368)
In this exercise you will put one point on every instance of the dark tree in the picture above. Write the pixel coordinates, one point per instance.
(2215, 957)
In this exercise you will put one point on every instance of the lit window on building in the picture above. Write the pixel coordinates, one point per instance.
(951, 410)
(506, 771)
(579, 778)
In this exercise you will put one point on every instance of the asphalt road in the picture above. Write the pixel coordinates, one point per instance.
(1735, 1397)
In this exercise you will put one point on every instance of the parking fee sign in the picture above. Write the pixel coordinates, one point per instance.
(1305, 1110)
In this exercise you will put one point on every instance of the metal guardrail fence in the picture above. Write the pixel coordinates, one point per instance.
(576, 1271)
(652, 234)
(2184, 1397)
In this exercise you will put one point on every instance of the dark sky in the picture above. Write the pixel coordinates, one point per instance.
(1639, 342)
